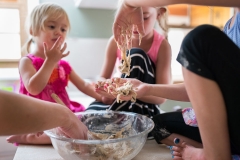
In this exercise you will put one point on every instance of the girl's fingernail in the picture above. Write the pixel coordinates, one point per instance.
(176, 140)
(15, 144)
(172, 156)
(170, 147)
(171, 152)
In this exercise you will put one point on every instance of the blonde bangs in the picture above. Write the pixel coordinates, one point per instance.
(44, 12)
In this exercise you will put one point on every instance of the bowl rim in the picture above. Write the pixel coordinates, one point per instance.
(80, 141)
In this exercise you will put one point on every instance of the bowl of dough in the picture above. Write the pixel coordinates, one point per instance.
(111, 136)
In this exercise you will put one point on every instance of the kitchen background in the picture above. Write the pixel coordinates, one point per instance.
(91, 23)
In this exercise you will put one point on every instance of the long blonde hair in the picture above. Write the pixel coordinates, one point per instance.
(37, 18)
(162, 21)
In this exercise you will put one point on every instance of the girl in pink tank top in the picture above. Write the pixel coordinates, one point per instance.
(150, 63)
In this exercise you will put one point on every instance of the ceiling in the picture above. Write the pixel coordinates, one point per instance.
(97, 4)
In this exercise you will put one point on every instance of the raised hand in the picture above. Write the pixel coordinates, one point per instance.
(56, 52)
(139, 87)
(127, 17)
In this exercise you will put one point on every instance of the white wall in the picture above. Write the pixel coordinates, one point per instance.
(86, 57)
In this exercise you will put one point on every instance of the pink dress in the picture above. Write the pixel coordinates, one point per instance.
(56, 84)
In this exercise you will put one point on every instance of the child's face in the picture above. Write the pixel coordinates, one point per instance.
(52, 30)
(150, 15)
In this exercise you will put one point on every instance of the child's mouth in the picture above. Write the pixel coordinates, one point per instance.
(135, 32)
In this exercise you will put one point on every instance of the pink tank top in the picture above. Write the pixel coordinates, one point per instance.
(56, 84)
(152, 53)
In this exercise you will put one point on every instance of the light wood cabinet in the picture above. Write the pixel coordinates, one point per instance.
(198, 15)
(220, 16)
(217, 16)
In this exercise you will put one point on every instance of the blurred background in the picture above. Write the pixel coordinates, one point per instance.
(91, 27)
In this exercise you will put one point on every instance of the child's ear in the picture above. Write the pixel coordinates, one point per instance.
(30, 31)
(161, 11)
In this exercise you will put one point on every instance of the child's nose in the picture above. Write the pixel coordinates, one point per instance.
(58, 32)
(134, 28)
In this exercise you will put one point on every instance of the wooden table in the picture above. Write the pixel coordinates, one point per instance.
(150, 151)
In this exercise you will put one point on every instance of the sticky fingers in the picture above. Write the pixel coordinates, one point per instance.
(118, 87)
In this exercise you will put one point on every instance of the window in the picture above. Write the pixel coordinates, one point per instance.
(175, 37)
(10, 34)
(183, 18)
(12, 31)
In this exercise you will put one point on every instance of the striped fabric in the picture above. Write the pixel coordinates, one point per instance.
(143, 69)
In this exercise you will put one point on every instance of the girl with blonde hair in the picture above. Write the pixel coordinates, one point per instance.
(43, 72)
(150, 63)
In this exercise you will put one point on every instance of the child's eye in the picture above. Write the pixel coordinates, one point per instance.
(52, 27)
(63, 30)
(145, 18)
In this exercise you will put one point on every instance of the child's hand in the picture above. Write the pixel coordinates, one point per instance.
(126, 17)
(105, 94)
(75, 129)
(106, 100)
(139, 87)
(56, 52)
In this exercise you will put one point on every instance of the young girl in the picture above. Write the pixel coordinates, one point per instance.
(43, 72)
(150, 63)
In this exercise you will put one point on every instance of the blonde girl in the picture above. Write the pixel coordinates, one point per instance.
(43, 72)
(150, 63)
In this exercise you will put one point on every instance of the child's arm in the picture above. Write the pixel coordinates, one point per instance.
(169, 91)
(85, 87)
(34, 81)
(110, 59)
(163, 71)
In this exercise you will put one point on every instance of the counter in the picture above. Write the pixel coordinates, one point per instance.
(150, 151)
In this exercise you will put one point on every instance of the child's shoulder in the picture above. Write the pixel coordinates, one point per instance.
(24, 60)
(30, 58)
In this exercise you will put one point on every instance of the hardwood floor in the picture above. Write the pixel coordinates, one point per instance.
(7, 151)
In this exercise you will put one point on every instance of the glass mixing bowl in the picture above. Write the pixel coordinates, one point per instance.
(126, 132)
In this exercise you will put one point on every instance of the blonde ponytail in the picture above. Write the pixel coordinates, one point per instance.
(162, 22)
(26, 47)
